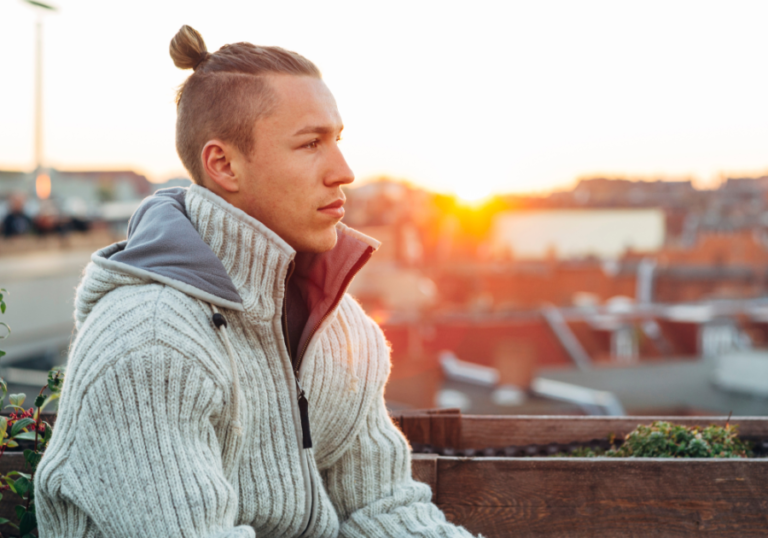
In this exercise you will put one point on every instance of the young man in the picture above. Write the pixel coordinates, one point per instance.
(222, 384)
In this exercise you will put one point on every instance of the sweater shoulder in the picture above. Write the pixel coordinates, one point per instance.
(150, 320)
(367, 335)
(152, 306)
(353, 313)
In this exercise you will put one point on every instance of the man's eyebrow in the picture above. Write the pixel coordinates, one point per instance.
(316, 129)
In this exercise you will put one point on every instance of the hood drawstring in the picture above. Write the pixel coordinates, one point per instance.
(221, 324)
(354, 381)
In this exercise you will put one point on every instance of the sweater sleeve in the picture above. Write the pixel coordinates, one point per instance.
(372, 489)
(138, 455)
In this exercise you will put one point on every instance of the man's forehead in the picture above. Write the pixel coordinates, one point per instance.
(305, 105)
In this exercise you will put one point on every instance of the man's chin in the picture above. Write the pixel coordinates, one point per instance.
(318, 244)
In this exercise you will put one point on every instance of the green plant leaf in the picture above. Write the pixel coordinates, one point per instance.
(7, 330)
(20, 511)
(19, 473)
(20, 425)
(22, 485)
(55, 378)
(51, 397)
(32, 457)
(17, 400)
(40, 400)
(3, 521)
(26, 436)
(28, 523)
(3, 427)
(48, 432)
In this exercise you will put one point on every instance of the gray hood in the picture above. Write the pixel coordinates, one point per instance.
(163, 245)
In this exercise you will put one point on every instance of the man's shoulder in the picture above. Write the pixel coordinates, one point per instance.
(147, 323)
(354, 313)
(366, 336)
(148, 305)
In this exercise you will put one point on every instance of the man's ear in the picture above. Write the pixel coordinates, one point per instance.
(217, 163)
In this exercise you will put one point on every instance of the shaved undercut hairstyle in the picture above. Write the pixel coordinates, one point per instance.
(226, 94)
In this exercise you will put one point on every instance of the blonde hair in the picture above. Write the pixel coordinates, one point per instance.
(226, 94)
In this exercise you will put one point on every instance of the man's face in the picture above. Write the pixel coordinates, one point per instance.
(292, 181)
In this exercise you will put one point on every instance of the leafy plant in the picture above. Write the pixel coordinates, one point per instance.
(5, 326)
(667, 440)
(25, 428)
(28, 427)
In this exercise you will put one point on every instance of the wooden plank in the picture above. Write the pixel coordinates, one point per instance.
(443, 411)
(417, 428)
(483, 431)
(571, 497)
(445, 430)
(437, 427)
(424, 469)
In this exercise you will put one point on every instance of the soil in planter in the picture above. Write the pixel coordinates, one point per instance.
(667, 440)
(660, 439)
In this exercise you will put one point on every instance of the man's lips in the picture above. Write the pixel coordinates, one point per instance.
(335, 209)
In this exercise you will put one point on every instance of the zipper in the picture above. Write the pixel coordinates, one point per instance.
(303, 405)
(306, 434)
(303, 413)
(302, 399)
(303, 402)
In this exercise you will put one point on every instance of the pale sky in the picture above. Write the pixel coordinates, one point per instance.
(472, 97)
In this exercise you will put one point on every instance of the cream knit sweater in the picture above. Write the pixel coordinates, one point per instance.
(145, 443)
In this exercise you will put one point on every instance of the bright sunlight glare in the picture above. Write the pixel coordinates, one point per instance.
(473, 193)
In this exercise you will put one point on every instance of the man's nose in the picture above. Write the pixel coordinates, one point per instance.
(340, 173)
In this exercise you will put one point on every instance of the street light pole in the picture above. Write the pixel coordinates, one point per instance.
(39, 95)
(42, 179)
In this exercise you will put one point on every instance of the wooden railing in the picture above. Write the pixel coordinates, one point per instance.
(571, 497)
(574, 497)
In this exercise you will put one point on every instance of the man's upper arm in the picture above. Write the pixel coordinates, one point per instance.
(136, 452)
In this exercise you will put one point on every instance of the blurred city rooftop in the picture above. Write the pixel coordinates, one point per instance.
(647, 297)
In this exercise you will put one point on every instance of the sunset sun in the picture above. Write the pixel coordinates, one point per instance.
(473, 193)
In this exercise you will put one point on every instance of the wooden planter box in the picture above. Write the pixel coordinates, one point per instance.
(568, 497)
(572, 497)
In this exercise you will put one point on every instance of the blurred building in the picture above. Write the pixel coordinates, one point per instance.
(641, 297)
(677, 281)
(563, 233)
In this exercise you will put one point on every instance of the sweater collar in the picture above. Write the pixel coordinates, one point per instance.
(254, 257)
(196, 242)
(257, 260)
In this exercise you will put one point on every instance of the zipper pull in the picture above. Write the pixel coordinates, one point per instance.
(304, 412)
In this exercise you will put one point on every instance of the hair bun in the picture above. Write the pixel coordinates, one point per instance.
(188, 48)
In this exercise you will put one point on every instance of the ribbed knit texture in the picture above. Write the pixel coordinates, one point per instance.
(144, 443)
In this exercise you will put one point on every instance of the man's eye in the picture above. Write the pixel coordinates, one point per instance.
(312, 145)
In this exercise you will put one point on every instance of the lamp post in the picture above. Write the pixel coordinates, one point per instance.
(42, 179)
